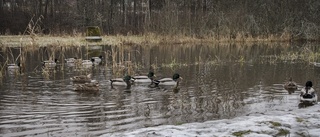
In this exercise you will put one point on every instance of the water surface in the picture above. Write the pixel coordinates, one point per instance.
(219, 81)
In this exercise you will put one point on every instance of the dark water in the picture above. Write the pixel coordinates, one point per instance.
(219, 81)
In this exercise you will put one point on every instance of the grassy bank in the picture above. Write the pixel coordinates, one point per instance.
(18, 40)
(27, 40)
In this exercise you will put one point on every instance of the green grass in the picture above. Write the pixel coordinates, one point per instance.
(282, 132)
(275, 124)
(241, 133)
(299, 119)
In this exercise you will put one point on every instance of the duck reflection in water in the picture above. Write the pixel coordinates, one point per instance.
(305, 104)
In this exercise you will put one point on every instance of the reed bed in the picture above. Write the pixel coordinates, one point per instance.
(79, 40)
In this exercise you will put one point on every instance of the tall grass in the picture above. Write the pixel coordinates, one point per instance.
(147, 39)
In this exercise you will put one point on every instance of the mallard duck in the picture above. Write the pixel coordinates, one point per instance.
(317, 64)
(308, 94)
(174, 81)
(71, 60)
(96, 60)
(82, 79)
(85, 64)
(50, 63)
(144, 79)
(13, 68)
(87, 87)
(290, 86)
(125, 81)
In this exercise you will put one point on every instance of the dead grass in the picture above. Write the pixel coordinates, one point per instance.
(150, 39)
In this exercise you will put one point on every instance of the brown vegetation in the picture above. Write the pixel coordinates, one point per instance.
(218, 20)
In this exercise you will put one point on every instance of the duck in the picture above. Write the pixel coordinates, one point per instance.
(13, 68)
(87, 87)
(308, 94)
(86, 63)
(174, 81)
(96, 60)
(125, 81)
(82, 79)
(50, 63)
(316, 64)
(290, 86)
(71, 60)
(144, 79)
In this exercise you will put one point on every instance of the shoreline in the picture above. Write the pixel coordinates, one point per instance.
(115, 40)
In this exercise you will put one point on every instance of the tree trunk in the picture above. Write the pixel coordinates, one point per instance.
(124, 19)
(40, 8)
(46, 9)
(1, 6)
(110, 20)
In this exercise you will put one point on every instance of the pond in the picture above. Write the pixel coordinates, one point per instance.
(219, 82)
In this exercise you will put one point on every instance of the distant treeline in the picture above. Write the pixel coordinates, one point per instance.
(293, 19)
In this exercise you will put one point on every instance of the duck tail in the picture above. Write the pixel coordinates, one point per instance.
(111, 80)
(156, 82)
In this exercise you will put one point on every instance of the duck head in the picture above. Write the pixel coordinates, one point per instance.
(55, 60)
(308, 84)
(151, 75)
(176, 76)
(129, 80)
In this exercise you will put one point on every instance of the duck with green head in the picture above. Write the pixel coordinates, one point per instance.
(125, 81)
(50, 63)
(144, 79)
(14, 68)
(174, 81)
(96, 60)
(71, 60)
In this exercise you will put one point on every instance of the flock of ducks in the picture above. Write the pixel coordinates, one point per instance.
(86, 83)
(305, 96)
(14, 68)
(77, 62)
